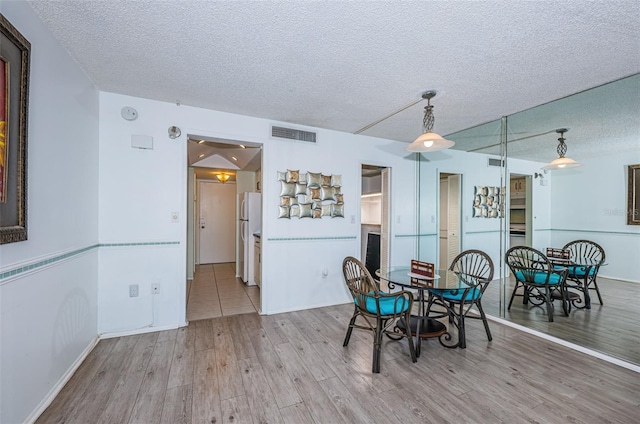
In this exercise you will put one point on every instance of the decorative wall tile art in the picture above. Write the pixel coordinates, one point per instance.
(310, 195)
(488, 202)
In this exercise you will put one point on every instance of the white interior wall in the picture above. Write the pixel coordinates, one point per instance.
(48, 308)
(136, 203)
(477, 233)
(590, 202)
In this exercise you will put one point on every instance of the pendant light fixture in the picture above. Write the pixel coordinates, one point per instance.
(562, 162)
(429, 141)
(223, 177)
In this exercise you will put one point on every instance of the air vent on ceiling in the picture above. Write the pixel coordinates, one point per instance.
(495, 162)
(293, 134)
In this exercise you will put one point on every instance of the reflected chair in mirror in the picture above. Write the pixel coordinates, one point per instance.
(539, 280)
(477, 265)
(378, 311)
(583, 278)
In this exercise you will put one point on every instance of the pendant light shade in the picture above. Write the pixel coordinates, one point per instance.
(429, 141)
(223, 178)
(562, 162)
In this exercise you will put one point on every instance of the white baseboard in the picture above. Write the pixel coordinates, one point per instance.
(44, 404)
(138, 331)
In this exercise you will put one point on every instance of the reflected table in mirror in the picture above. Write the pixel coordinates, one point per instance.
(582, 272)
(421, 323)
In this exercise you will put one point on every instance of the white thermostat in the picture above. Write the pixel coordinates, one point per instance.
(129, 113)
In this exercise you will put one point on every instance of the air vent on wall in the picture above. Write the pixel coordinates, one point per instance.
(495, 162)
(293, 134)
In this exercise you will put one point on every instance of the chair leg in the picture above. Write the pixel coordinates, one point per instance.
(377, 345)
(513, 294)
(547, 299)
(412, 349)
(595, 285)
(484, 320)
(350, 328)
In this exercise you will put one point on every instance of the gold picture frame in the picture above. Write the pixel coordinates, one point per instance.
(15, 53)
(633, 195)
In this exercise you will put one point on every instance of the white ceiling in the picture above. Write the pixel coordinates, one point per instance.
(342, 65)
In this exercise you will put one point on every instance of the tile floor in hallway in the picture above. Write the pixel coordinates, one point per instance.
(215, 292)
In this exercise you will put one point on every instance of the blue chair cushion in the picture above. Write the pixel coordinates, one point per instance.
(455, 295)
(577, 271)
(388, 305)
(540, 277)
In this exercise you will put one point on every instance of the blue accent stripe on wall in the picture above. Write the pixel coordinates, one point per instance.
(311, 238)
(68, 255)
(482, 232)
(626, 233)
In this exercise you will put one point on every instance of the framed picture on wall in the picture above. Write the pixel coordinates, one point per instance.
(633, 195)
(14, 93)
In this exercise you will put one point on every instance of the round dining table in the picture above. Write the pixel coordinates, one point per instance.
(421, 323)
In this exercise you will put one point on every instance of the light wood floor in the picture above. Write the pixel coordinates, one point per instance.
(612, 328)
(215, 291)
(292, 368)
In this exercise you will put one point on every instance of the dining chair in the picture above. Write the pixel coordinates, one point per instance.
(578, 274)
(538, 278)
(458, 302)
(378, 310)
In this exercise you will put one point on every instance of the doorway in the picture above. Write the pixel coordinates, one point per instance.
(520, 210)
(219, 171)
(449, 218)
(374, 216)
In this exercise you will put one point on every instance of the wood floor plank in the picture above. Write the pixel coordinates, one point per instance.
(282, 387)
(262, 404)
(204, 334)
(236, 411)
(95, 398)
(352, 410)
(296, 414)
(167, 335)
(318, 403)
(177, 405)
(123, 396)
(183, 353)
(241, 340)
(206, 393)
(150, 401)
(71, 394)
(515, 378)
(314, 363)
(227, 369)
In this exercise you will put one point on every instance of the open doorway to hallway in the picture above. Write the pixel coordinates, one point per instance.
(221, 173)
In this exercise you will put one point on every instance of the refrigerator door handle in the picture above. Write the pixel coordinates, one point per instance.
(243, 224)
(242, 210)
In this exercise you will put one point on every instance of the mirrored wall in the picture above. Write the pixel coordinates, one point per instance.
(491, 192)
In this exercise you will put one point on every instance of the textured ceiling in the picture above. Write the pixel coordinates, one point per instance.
(342, 65)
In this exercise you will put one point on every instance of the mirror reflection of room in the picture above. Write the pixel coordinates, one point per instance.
(554, 207)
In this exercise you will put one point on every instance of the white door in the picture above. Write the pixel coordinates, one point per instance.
(449, 221)
(453, 218)
(217, 225)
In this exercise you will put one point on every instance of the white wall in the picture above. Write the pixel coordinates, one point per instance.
(49, 311)
(477, 233)
(140, 188)
(590, 202)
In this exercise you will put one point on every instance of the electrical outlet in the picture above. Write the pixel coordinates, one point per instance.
(133, 290)
(155, 288)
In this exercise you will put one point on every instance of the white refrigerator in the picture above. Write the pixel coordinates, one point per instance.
(249, 220)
